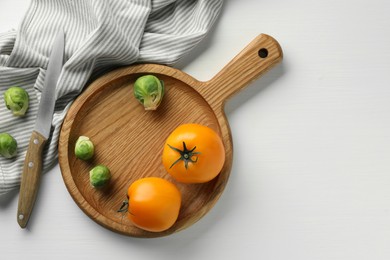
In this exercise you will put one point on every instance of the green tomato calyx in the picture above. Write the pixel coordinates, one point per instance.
(125, 207)
(185, 155)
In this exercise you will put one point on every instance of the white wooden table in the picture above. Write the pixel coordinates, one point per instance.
(311, 170)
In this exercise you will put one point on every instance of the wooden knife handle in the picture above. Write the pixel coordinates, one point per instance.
(31, 176)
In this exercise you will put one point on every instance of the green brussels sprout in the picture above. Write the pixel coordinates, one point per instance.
(84, 148)
(99, 176)
(149, 91)
(16, 99)
(8, 145)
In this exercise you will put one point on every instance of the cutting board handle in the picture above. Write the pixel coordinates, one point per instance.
(258, 57)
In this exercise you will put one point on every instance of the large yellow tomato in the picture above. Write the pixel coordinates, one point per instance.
(193, 153)
(154, 204)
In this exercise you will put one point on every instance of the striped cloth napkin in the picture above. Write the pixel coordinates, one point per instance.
(99, 35)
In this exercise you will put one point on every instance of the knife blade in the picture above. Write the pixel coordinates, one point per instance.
(32, 168)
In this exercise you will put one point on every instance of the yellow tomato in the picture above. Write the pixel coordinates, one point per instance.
(154, 204)
(193, 153)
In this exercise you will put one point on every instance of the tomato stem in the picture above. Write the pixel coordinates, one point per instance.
(124, 207)
(185, 155)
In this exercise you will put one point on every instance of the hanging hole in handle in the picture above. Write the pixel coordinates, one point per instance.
(263, 53)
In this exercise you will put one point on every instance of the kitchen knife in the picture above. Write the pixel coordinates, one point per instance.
(32, 168)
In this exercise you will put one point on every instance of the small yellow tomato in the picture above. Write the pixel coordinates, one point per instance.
(154, 204)
(193, 153)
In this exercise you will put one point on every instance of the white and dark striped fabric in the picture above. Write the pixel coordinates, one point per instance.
(100, 35)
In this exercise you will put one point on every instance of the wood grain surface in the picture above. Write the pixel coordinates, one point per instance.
(129, 140)
(31, 176)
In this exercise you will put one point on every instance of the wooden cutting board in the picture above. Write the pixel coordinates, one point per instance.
(130, 140)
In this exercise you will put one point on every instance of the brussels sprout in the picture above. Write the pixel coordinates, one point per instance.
(8, 145)
(149, 91)
(84, 148)
(16, 99)
(99, 176)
